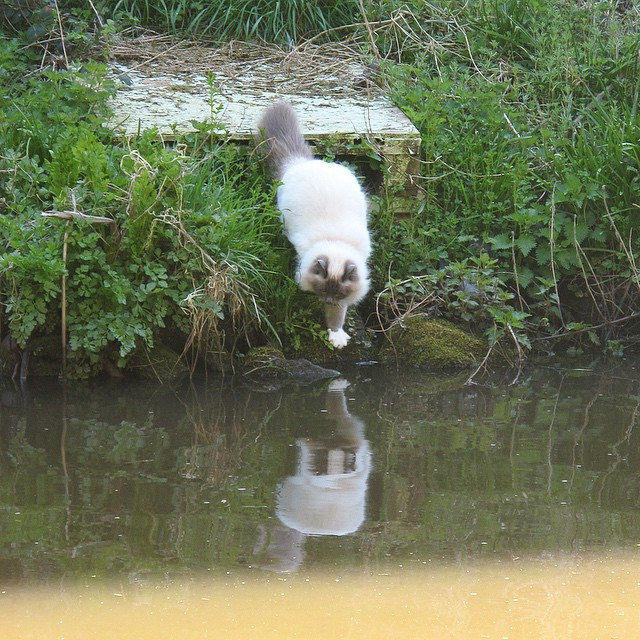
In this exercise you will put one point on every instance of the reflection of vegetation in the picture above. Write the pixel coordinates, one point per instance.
(547, 466)
(156, 482)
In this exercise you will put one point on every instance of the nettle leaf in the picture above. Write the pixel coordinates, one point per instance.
(569, 190)
(576, 326)
(543, 254)
(523, 340)
(580, 231)
(525, 276)
(526, 243)
(501, 241)
(567, 259)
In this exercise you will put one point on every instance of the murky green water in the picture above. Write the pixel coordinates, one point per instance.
(385, 470)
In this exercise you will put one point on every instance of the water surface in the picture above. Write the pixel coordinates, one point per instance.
(387, 500)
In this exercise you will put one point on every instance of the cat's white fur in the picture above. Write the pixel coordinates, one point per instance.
(324, 213)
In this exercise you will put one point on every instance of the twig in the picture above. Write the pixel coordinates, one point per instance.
(411, 306)
(520, 353)
(63, 296)
(515, 268)
(579, 251)
(550, 442)
(473, 62)
(99, 18)
(77, 215)
(631, 316)
(44, 55)
(144, 62)
(63, 460)
(585, 423)
(470, 380)
(614, 450)
(341, 27)
(372, 42)
(627, 251)
(506, 117)
(603, 309)
(552, 244)
(64, 48)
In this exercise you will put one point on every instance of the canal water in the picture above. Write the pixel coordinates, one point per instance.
(382, 504)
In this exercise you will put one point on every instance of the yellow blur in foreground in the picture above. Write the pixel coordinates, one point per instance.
(561, 597)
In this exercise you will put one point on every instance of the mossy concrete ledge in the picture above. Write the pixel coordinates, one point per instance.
(270, 364)
(425, 343)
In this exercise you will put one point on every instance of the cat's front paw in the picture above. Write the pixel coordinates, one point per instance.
(339, 338)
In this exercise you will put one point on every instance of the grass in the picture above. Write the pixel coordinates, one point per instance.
(191, 250)
(285, 21)
(530, 177)
(528, 112)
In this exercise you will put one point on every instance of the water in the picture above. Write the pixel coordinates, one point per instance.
(378, 505)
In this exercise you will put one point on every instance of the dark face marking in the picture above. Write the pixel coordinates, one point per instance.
(319, 267)
(350, 272)
(332, 289)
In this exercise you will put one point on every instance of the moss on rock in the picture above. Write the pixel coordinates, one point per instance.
(268, 363)
(422, 342)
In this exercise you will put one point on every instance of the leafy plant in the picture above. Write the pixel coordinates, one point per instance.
(528, 115)
(286, 22)
(192, 248)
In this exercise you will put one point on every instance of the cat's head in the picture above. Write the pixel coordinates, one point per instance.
(336, 279)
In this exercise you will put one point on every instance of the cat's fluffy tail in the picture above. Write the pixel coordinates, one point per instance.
(279, 138)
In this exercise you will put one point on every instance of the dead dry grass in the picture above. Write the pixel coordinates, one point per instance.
(313, 69)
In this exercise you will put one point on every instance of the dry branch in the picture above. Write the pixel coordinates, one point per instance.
(70, 216)
(77, 215)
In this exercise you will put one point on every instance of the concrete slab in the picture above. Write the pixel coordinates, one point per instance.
(170, 86)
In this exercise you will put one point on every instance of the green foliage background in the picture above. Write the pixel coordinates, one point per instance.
(530, 174)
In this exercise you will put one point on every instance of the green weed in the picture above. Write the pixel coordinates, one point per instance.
(285, 21)
(191, 250)
(529, 119)
(528, 224)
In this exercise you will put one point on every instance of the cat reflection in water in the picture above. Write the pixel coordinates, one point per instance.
(324, 213)
(327, 493)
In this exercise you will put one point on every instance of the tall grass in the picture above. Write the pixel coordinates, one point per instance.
(529, 117)
(282, 21)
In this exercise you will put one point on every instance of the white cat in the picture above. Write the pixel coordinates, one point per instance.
(324, 212)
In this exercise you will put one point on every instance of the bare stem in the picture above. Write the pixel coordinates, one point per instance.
(552, 244)
(63, 301)
(64, 48)
(77, 215)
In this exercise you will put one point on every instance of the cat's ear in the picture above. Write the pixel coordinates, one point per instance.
(350, 272)
(319, 266)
